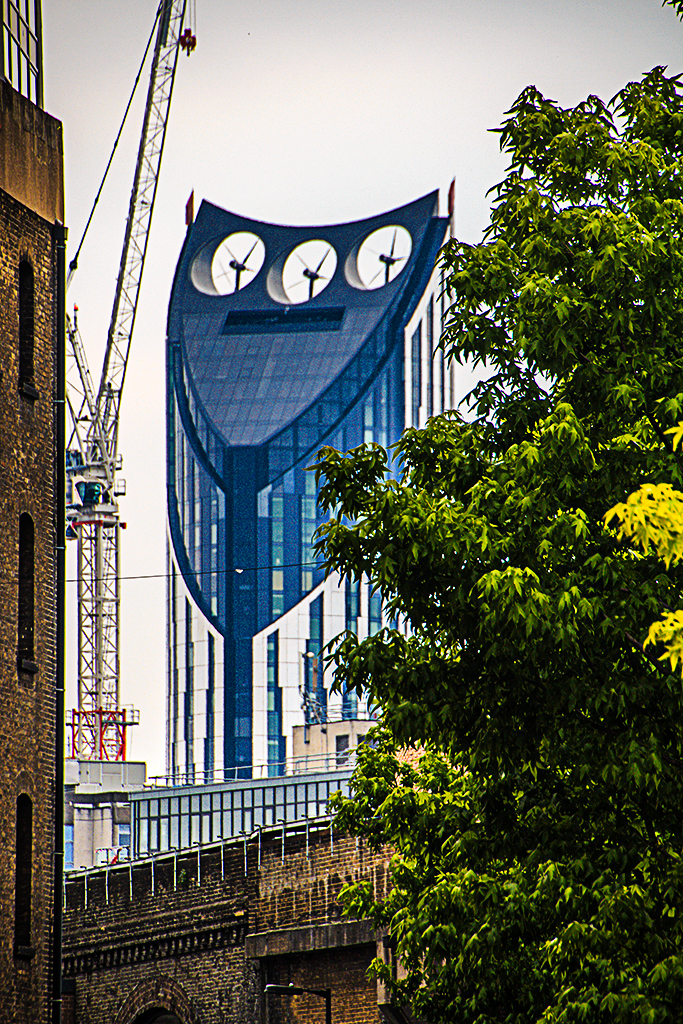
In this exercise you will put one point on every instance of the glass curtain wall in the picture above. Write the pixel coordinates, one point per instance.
(242, 505)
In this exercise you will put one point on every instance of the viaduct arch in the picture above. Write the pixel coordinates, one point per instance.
(193, 937)
(159, 1000)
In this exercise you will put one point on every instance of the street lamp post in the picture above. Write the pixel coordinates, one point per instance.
(294, 990)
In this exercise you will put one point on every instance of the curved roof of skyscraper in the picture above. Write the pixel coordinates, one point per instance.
(269, 316)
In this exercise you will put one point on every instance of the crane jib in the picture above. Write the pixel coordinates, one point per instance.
(165, 8)
(99, 724)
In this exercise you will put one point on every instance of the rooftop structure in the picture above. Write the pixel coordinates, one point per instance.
(97, 810)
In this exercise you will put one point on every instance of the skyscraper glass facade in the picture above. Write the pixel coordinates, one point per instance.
(280, 340)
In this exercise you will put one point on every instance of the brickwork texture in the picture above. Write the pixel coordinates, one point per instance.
(196, 937)
(31, 139)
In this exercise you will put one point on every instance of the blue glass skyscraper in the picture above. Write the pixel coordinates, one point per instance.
(280, 340)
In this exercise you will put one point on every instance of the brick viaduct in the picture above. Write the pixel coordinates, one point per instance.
(193, 937)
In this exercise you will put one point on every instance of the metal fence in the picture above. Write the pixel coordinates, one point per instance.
(304, 764)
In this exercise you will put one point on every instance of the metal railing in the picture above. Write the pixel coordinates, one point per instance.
(308, 827)
(305, 764)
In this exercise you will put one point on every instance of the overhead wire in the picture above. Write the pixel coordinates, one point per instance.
(219, 572)
(73, 266)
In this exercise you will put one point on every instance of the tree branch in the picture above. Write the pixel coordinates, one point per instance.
(641, 647)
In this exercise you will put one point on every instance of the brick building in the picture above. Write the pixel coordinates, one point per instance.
(31, 250)
(194, 937)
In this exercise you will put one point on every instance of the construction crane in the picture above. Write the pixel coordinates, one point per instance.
(99, 724)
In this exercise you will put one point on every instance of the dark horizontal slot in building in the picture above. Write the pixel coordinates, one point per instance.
(261, 321)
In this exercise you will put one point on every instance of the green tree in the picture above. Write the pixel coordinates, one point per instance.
(653, 517)
(538, 871)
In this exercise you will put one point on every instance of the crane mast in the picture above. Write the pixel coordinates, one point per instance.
(99, 723)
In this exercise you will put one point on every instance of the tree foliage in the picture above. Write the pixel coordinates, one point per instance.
(538, 871)
(653, 517)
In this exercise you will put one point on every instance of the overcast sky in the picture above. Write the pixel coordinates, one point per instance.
(298, 113)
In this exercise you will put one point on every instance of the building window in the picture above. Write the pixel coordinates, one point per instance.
(25, 623)
(308, 528)
(352, 612)
(188, 709)
(210, 710)
(276, 754)
(26, 329)
(430, 355)
(315, 696)
(416, 366)
(352, 604)
(277, 556)
(23, 873)
(174, 700)
(21, 53)
(383, 412)
(213, 583)
(68, 847)
(374, 613)
(368, 419)
(342, 750)
(123, 836)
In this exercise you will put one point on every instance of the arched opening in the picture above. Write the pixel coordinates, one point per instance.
(23, 874)
(26, 597)
(26, 322)
(158, 1000)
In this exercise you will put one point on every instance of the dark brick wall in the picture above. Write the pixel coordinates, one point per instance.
(201, 941)
(27, 460)
(344, 971)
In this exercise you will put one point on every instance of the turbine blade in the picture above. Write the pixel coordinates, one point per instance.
(327, 253)
(220, 271)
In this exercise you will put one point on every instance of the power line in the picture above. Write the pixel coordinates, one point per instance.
(218, 572)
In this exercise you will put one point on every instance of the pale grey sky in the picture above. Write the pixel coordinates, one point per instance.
(297, 112)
